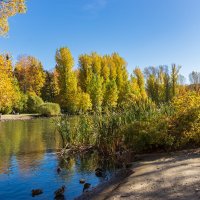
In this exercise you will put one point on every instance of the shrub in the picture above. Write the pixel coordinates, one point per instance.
(33, 103)
(49, 109)
(21, 105)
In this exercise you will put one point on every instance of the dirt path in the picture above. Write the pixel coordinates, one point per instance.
(159, 177)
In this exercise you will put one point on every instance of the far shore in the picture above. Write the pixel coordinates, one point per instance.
(13, 117)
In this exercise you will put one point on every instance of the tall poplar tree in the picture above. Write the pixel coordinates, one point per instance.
(67, 80)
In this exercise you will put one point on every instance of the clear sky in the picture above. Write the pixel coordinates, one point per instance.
(144, 32)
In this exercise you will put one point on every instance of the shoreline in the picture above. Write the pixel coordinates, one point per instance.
(103, 190)
(159, 176)
(12, 117)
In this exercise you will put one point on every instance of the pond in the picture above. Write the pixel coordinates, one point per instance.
(28, 160)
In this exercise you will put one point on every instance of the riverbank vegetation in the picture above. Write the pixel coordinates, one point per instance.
(143, 126)
(150, 109)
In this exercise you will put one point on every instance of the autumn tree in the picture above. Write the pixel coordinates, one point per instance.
(152, 84)
(158, 83)
(9, 8)
(138, 84)
(95, 91)
(85, 72)
(91, 81)
(162, 84)
(50, 89)
(174, 78)
(84, 102)
(119, 67)
(111, 94)
(104, 78)
(9, 90)
(67, 80)
(105, 68)
(30, 74)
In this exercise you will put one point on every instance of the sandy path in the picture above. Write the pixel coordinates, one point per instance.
(18, 117)
(159, 177)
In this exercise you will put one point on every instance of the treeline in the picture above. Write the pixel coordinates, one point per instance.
(99, 83)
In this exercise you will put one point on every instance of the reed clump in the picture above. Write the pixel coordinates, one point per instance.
(143, 126)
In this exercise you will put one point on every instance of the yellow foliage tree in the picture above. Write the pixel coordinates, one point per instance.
(9, 92)
(9, 8)
(138, 84)
(67, 79)
(84, 102)
(111, 94)
(30, 74)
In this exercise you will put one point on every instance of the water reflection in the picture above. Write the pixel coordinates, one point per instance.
(25, 139)
(28, 161)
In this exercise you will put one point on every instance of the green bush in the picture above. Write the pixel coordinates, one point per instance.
(33, 103)
(49, 109)
(21, 105)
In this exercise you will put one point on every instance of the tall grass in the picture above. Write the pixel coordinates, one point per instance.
(142, 126)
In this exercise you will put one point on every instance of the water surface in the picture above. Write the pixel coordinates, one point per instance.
(28, 160)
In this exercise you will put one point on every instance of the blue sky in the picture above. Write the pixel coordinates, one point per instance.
(144, 32)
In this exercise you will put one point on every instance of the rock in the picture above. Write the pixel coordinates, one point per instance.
(36, 192)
